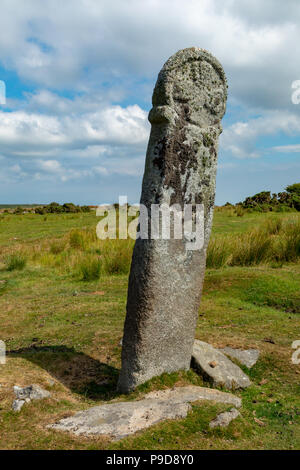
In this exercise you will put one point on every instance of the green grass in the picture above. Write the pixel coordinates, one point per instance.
(58, 327)
(271, 241)
(15, 261)
(90, 269)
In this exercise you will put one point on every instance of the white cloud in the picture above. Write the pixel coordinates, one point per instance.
(287, 148)
(82, 58)
(52, 166)
(83, 44)
(240, 139)
(80, 141)
(40, 135)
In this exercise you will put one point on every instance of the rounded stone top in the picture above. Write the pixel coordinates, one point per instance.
(192, 80)
(191, 54)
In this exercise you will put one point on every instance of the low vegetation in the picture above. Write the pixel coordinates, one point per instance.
(285, 201)
(15, 261)
(62, 311)
(53, 208)
(272, 241)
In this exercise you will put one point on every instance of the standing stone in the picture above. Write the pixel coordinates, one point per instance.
(166, 277)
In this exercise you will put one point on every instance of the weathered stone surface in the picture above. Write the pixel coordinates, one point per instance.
(166, 276)
(119, 420)
(223, 372)
(17, 405)
(223, 419)
(26, 394)
(32, 392)
(247, 357)
(193, 393)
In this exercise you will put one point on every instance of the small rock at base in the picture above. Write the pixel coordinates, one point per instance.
(247, 357)
(32, 392)
(26, 394)
(17, 405)
(224, 374)
(223, 419)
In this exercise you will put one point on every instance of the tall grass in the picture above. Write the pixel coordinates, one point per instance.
(288, 247)
(218, 253)
(117, 259)
(250, 249)
(274, 240)
(273, 226)
(57, 246)
(90, 268)
(76, 240)
(80, 253)
(96, 257)
(16, 261)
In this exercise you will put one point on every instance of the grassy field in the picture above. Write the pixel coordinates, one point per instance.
(62, 307)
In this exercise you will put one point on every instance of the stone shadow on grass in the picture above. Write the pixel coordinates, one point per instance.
(77, 371)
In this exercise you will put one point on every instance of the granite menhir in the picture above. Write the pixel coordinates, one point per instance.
(166, 277)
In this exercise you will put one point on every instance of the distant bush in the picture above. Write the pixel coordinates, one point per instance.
(18, 210)
(67, 208)
(41, 210)
(57, 247)
(240, 211)
(16, 261)
(85, 209)
(117, 263)
(76, 240)
(90, 269)
(294, 189)
(285, 201)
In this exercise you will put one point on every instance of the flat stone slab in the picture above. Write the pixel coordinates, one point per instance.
(223, 419)
(193, 393)
(119, 420)
(215, 367)
(247, 357)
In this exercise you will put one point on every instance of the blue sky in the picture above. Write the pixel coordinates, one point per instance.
(79, 76)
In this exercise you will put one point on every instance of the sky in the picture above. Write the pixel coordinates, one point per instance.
(79, 77)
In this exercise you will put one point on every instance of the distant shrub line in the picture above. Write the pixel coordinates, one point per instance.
(264, 201)
(53, 208)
